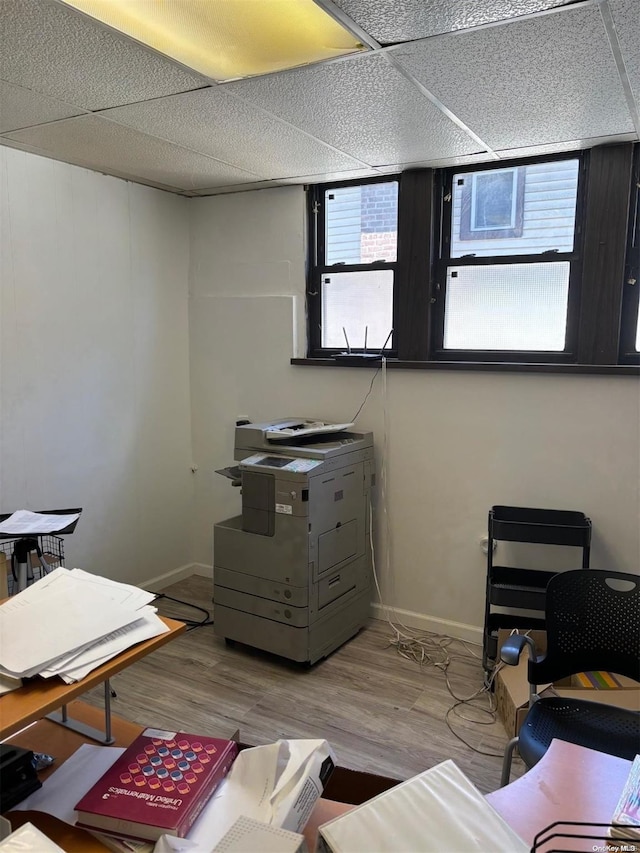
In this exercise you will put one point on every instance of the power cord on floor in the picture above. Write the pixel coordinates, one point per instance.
(190, 623)
(428, 649)
(425, 648)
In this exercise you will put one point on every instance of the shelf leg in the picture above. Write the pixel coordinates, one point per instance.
(62, 718)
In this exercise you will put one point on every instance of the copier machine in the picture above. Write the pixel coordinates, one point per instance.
(292, 573)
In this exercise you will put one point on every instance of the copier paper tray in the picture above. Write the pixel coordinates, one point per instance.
(300, 428)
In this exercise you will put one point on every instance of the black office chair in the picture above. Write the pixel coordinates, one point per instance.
(593, 623)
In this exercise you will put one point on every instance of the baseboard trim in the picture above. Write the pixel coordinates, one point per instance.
(178, 574)
(417, 621)
(432, 624)
(203, 570)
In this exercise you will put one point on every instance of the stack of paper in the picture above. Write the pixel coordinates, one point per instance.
(71, 622)
(23, 522)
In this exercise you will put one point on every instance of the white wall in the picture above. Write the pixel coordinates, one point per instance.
(456, 442)
(94, 379)
(96, 336)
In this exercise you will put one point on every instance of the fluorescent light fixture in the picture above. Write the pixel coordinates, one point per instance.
(228, 39)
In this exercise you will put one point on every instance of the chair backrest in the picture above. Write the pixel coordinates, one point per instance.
(593, 623)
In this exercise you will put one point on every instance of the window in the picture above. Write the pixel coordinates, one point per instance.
(351, 295)
(491, 204)
(527, 262)
(508, 250)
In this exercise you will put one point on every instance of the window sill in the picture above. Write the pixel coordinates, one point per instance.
(493, 367)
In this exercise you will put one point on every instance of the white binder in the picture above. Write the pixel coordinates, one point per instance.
(435, 811)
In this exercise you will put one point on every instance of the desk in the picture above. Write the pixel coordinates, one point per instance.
(568, 783)
(42, 696)
(47, 736)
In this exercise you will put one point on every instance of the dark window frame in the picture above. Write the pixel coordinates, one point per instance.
(631, 285)
(445, 261)
(318, 267)
(598, 316)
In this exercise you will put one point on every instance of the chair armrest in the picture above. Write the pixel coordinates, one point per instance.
(512, 649)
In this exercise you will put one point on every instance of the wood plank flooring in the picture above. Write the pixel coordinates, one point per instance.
(380, 712)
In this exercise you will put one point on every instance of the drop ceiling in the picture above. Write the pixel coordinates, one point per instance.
(443, 82)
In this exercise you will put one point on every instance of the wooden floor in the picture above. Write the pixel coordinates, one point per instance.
(380, 712)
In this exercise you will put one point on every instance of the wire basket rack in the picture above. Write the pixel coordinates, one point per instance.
(52, 548)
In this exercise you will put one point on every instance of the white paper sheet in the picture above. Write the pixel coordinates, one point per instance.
(70, 782)
(267, 783)
(125, 593)
(35, 633)
(23, 522)
(72, 580)
(29, 839)
(77, 666)
(9, 683)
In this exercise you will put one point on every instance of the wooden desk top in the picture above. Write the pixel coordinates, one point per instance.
(47, 736)
(40, 696)
(568, 783)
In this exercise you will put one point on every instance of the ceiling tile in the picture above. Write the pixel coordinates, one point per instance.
(109, 147)
(315, 178)
(222, 126)
(22, 108)
(406, 20)
(626, 17)
(54, 50)
(560, 147)
(547, 79)
(363, 107)
(447, 162)
(257, 185)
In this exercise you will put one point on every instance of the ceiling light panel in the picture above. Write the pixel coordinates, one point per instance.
(49, 48)
(626, 18)
(228, 39)
(109, 147)
(215, 123)
(548, 79)
(363, 107)
(406, 20)
(22, 108)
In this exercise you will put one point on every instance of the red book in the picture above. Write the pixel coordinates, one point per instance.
(158, 786)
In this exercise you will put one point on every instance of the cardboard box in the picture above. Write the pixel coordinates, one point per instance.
(627, 695)
(511, 685)
(512, 688)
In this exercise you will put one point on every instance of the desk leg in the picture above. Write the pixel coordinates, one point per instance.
(62, 718)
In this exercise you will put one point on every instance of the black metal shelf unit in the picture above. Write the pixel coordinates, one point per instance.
(525, 589)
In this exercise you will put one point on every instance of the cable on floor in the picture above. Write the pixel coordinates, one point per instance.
(191, 624)
(425, 648)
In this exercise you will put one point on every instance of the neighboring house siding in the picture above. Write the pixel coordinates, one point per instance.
(362, 224)
(343, 229)
(549, 211)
